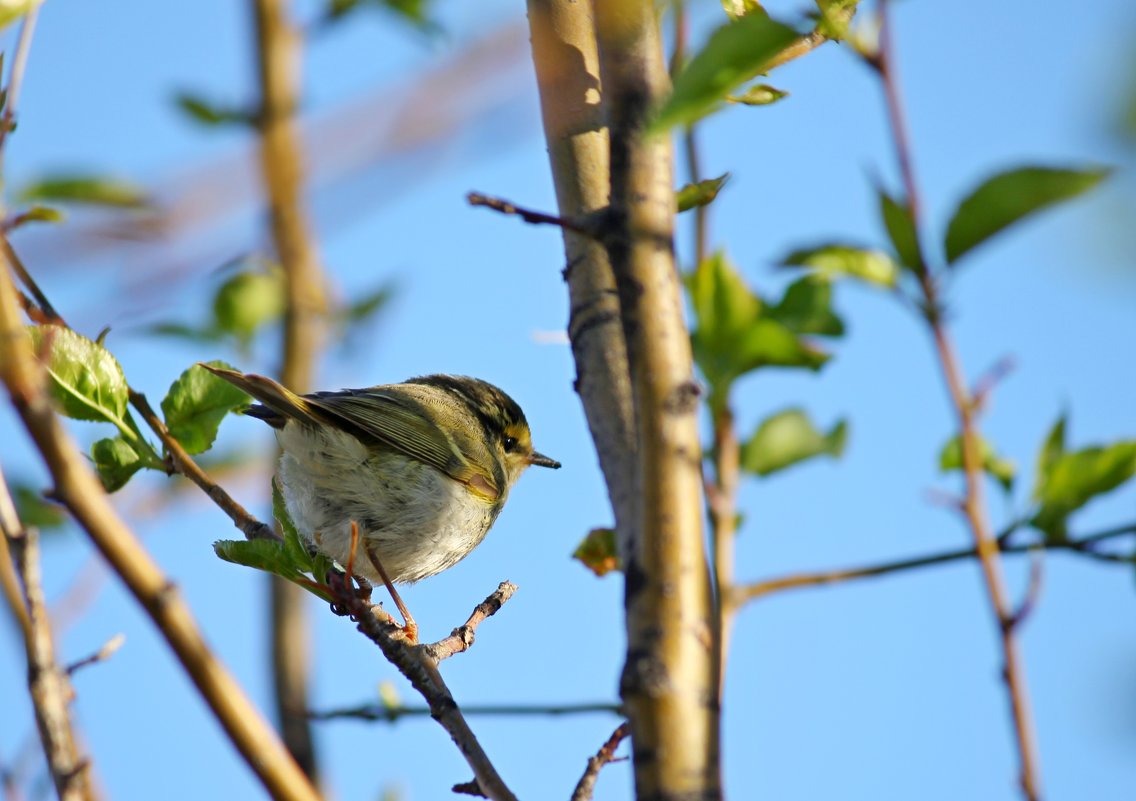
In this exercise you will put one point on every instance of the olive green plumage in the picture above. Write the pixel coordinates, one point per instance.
(423, 467)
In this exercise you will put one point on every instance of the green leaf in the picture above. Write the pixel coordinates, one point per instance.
(12, 10)
(1051, 450)
(1073, 479)
(414, 11)
(1011, 196)
(845, 261)
(735, 53)
(86, 189)
(45, 214)
(208, 113)
(298, 554)
(86, 380)
(701, 193)
(183, 331)
(761, 94)
(734, 334)
(835, 17)
(598, 552)
(787, 438)
(806, 308)
(901, 231)
(115, 462)
(196, 404)
(1001, 470)
(247, 301)
(35, 511)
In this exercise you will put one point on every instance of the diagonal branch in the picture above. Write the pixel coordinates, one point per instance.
(77, 488)
(587, 784)
(48, 683)
(419, 665)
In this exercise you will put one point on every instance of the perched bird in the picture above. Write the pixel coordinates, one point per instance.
(423, 468)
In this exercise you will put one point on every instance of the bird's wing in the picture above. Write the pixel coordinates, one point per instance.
(398, 422)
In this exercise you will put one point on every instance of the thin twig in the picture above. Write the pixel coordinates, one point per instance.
(605, 755)
(760, 589)
(17, 265)
(48, 684)
(16, 79)
(461, 638)
(183, 463)
(103, 654)
(392, 714)
(79, 490)
(421, 669)
(964, 406)
(584, 228)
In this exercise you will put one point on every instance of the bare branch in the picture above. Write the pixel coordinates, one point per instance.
(79, 490)
(391, 714)
(965, 411)
(461, 638)
(48, 684)
(760, 589)
(605, 755)
(416, 663)
(110, 647)
(586, 228)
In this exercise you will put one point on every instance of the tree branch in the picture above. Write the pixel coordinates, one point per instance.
(670, 677)
(418, 665)
(587, 784)
(281, 157)
(760, 589)
(48, 684)
(77, 488)
(566, 61)
(973, 503)
(392, 714)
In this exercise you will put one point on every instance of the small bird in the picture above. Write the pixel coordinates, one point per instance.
(422, 468)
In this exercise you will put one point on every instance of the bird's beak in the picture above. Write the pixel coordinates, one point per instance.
(540, 460)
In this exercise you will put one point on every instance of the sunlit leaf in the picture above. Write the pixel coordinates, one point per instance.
(761, 94)
(846, 261)
(1074, 478)
(115, 462)
(414, 11)
(734, 54)
(701, 193)
(739, 8)
(1001, 470)
(806, 308)
(92, 190)
(598, 551)
(787, 438)
(247, 301)
(269, 556)
(733, 335)
(901, 230)
(1011, 196)
(835, 16)
(196, 403)
(87, 382)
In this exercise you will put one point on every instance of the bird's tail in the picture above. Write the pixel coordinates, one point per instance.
(280, 404)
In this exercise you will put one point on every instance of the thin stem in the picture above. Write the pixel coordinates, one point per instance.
(16, 79)
(530, 216)
(761, 589)
(391, 714)
(973, 502)
(606, 755)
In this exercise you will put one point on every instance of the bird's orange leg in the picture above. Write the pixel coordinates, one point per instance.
(410, 628)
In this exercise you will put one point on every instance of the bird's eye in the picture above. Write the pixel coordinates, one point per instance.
(509, 444)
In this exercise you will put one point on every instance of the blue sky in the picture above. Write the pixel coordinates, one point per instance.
(883, 689)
